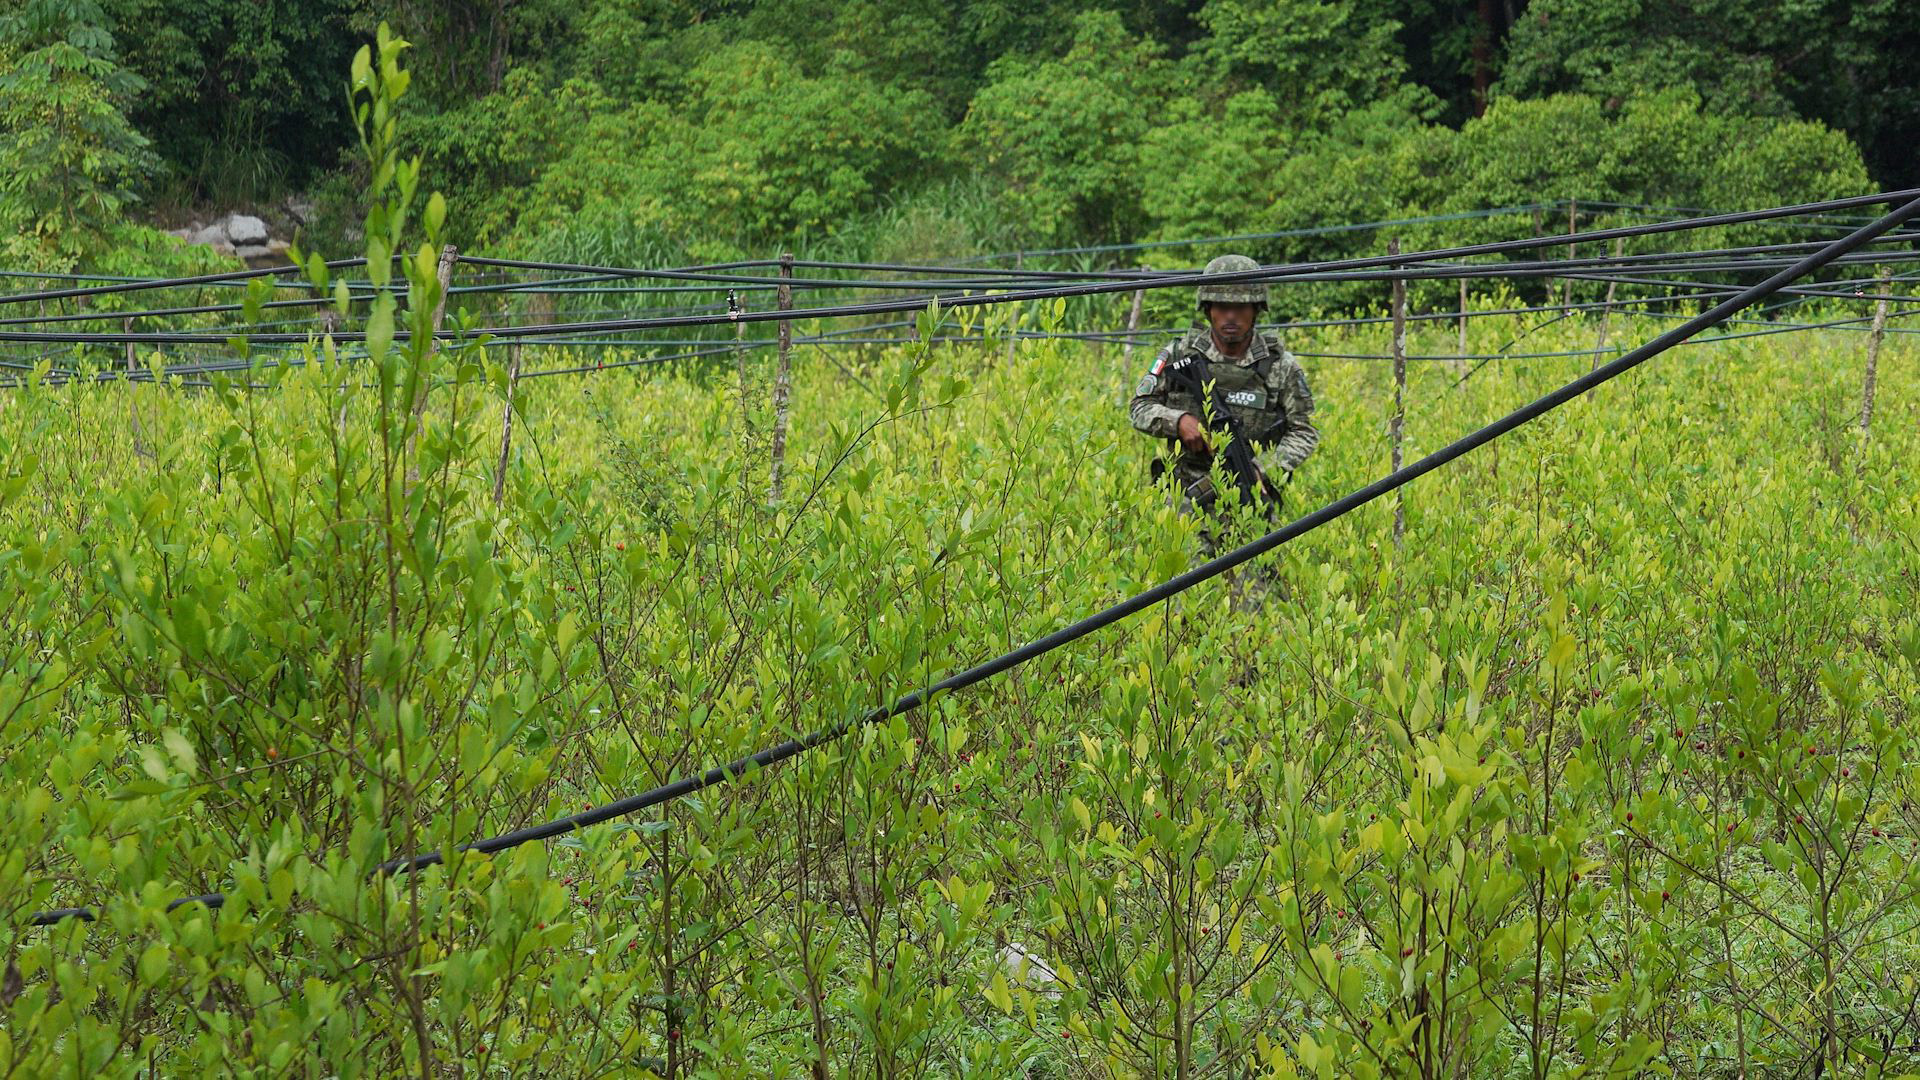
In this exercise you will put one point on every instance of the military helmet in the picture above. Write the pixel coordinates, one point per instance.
(1238, 292)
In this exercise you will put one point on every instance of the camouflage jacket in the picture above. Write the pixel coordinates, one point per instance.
(1261, 388)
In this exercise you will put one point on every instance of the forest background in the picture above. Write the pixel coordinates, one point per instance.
(648, 132)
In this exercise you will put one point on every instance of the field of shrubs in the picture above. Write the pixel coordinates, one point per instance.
(1606, 769)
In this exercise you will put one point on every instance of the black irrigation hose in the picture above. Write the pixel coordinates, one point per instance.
(1282, 234)
(120, 283)
(1182, 582)
(1140, 601)
(1340, 270)
(1124, 336)
(1335, 270)
(1001, 280)
(1120, 337)
(229, 364)
(169, 283)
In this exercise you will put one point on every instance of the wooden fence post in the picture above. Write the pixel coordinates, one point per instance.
(506, 425)
(133, 403)
(734, 307)
(1013, 319)
(1606, 312)
(448, 256)
(1566, 283)
(1460, 365)
(1396, 428)
(540, 312)
(783, 376)
(1133, 327)
(1873, 352)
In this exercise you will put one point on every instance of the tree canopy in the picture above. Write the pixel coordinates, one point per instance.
(706, 129)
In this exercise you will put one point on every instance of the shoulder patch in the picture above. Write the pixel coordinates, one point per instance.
(1148, 384)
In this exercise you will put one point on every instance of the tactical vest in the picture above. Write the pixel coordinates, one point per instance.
(1248, 392)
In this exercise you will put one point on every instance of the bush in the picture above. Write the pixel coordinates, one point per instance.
(1064, 136)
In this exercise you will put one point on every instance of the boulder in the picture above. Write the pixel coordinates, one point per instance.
(215, 234)
(251, 251)
(245, 230)
(1027, 971)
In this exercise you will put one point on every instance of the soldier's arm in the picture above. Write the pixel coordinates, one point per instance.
(1150, 411)
(1301, 437)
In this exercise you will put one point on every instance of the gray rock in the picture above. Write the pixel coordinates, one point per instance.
(215, 234)
(245, 230)
(252, 251)
(300, 210)
(184, 234)
(1026, 970)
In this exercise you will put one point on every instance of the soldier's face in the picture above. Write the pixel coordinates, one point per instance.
(1232, 323)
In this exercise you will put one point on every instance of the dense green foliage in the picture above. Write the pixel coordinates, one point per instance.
(68, 155)
(692, 130)
(1608, 769)
(1621, 742)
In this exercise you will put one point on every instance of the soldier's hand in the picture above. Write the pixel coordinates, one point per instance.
(1191, 435)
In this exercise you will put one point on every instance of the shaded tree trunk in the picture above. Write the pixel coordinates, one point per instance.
(1483, 56)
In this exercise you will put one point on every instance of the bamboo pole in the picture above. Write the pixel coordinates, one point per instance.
(783, 377)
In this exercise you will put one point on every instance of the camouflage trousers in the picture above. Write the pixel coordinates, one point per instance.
(1248, 584)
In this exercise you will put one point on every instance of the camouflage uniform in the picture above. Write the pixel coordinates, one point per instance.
(1266, 391)
(1261, 388)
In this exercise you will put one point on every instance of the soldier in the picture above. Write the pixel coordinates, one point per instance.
(1220, 377)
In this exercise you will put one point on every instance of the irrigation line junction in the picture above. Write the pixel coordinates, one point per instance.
(1784, 264)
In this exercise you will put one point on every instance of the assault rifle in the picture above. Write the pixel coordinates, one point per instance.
(1246, 472)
